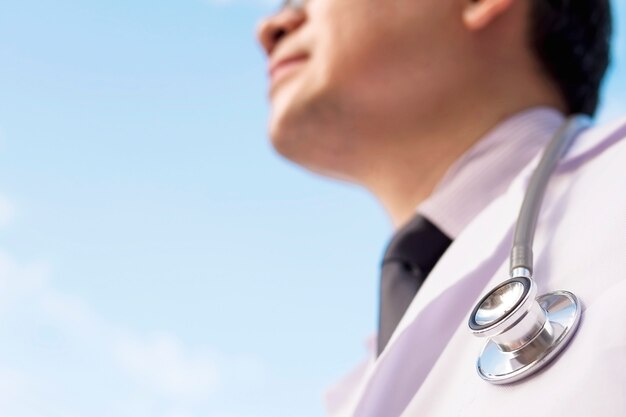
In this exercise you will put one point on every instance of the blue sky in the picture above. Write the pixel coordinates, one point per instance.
(156, 257)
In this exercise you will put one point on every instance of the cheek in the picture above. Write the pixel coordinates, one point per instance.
(376, 54)
(361, 52)
(347, 41)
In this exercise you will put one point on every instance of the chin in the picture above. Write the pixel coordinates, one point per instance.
(288, 119)
(286, 141)
(313, 149)
(307, 127)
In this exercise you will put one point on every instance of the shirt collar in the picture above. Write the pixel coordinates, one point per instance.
(486, 170)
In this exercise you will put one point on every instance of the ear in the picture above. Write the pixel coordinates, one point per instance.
(477, 14)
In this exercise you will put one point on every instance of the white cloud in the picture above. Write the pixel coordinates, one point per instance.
(59, 357)
(165, 365)
(179, 413)
(55, 346)
(7, 211)
(18, 282)
(41, 319)
(13, 385)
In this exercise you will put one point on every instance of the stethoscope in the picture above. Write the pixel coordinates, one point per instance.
(525, 332)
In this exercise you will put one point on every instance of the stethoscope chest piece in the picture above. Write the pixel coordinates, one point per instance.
(524, 333)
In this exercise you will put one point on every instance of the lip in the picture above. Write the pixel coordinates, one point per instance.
(282, 66)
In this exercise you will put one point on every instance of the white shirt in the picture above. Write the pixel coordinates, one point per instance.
(486, 170)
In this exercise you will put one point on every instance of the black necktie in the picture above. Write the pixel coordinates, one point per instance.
(410, 256)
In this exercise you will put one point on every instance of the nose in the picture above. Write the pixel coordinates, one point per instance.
(272, 30)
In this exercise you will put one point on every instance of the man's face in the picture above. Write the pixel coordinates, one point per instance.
(349, 75)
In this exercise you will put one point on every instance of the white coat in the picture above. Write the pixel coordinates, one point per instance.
(428, 367)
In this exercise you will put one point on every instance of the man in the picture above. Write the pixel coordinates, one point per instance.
(441, 109)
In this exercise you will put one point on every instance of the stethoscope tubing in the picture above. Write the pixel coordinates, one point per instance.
(524, 333)
(522, 254)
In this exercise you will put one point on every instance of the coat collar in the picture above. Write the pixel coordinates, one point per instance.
(593, 142)
(499, 219)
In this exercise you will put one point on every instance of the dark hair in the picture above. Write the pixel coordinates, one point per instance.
(572, 40)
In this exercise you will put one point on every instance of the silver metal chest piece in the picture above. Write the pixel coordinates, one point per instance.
(524, 334)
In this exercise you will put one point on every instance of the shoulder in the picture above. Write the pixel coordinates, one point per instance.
(588, 198)
(584, 235)
(605, 142)
(590, 183)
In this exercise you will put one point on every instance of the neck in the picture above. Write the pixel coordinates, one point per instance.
(416, 168)
(406, 174)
